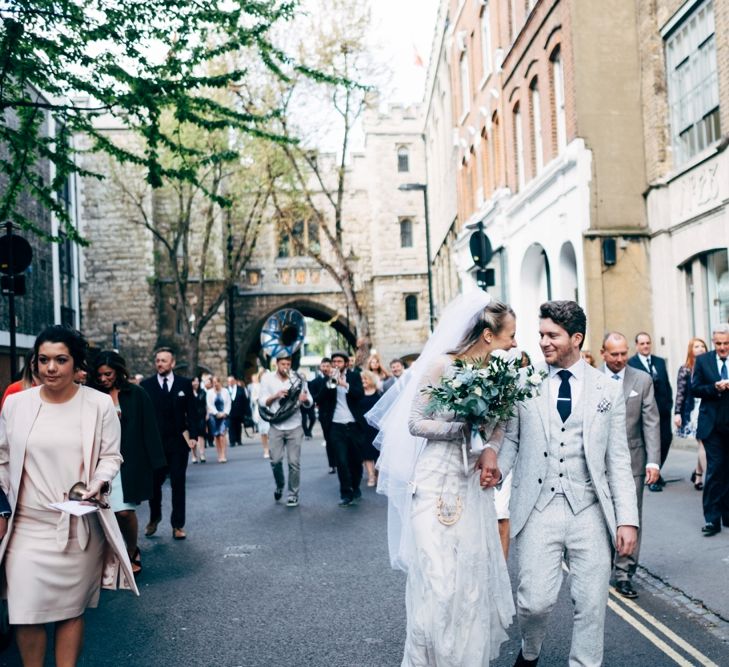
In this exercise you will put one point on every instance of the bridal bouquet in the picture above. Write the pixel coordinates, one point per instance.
(485, 394)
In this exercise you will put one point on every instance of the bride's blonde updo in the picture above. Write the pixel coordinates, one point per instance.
(492, 317)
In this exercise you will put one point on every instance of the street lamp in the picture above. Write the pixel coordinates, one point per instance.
(422, 187)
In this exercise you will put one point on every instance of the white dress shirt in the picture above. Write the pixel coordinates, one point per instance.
(170, 380)
(576, 381)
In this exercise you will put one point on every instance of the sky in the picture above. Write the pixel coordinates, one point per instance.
(402, 28)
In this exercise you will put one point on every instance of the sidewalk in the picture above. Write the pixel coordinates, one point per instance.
(673, 548)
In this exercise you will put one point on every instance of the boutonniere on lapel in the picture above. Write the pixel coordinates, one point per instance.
(604, 406)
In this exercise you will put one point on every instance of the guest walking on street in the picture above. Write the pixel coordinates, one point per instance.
(54, 438)
(141, 447)
(326, 410)
(341, 398)
(710, 383)
(374, 365)
(240, 410)
(367, 449)
(281, 395)
(174, 408)
(686, 410)
(262, 426)
(218, 400)
(645, 360)
(199, 417)
(644, 440)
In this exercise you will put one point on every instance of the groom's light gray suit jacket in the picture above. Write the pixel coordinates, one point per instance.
(529, 448)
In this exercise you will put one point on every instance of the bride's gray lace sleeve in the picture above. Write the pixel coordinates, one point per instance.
(421, 423)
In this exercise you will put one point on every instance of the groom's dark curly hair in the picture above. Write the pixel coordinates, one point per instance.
(566, 314)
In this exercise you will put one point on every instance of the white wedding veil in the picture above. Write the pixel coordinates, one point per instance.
(399, 450)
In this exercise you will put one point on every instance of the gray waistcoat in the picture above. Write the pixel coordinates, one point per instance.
(567, 472)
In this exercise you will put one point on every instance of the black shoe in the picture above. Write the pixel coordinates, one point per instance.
(277, 494)
(356, 495)
(346, 502)
(661, 482)
(655, 487)
(521, 661)
(711, 529)
(625, 588)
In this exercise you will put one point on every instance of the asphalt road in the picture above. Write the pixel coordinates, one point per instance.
(257, 584)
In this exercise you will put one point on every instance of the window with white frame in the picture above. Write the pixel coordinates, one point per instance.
(518, 148)
(693, 85)
(558, 97)
(537, 146)
(486, 40)
(465, 84)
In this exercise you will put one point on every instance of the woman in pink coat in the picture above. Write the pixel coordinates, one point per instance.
(52, 437)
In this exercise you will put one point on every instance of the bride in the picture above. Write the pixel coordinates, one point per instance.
(442, 527)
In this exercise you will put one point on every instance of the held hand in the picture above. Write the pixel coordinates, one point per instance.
(652, 475)
(303, 397)
(94, 489)
(3, 527)
(627, 540)
(487, 464)
(721, 385)
(192, 444)
(282, 393)
(677, 421)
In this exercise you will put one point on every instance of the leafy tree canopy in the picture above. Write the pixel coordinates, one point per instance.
(137, 62)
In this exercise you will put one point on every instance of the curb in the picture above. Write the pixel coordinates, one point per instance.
(716, 624)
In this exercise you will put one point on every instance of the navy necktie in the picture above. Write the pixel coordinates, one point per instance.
(165, 386)
(724, 374)
(564, 397)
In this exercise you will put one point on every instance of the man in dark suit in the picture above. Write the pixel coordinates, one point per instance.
(644, 440)
(326, 409)
(174, 407)
(644, 360)
(240, 410)
(710, 383)
(341, 401)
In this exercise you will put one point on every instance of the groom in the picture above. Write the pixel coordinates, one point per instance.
(572, 489)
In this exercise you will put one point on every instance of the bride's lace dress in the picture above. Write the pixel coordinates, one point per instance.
(458, 597)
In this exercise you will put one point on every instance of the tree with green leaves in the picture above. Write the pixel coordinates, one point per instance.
(305, 186)
(205, 228)
(138, 61)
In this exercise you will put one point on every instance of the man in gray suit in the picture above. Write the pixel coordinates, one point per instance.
(644, 438)
(572, 489)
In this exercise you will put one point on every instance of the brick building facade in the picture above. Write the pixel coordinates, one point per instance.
(550, 158)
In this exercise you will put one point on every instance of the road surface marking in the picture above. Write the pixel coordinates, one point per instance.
(670, 634)
(650, 636)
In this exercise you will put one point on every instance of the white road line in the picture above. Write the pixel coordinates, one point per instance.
(670, 634)
(650, 636)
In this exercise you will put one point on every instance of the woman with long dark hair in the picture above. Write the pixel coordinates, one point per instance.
(141, 446)
(59, 440)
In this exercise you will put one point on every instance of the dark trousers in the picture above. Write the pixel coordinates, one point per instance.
(177, 456)
(331, 454)
(345, 440)
(236, 426)
(308, 419)
(716, 476)
(666, 422)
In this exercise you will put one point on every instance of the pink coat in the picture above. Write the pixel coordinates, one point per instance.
(101, 432)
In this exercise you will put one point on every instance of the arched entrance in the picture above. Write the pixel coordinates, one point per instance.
(249, 343)
(568, 288)
(535, 288)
